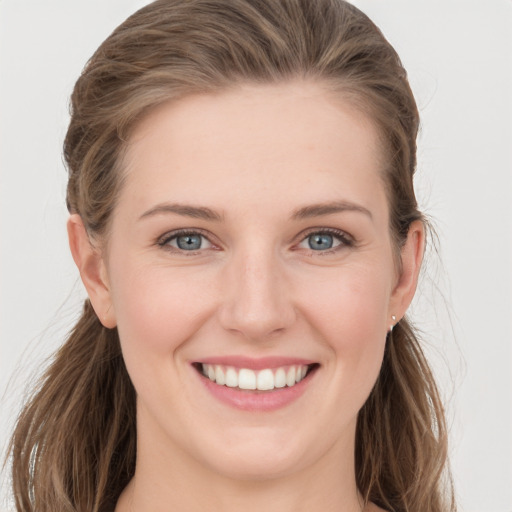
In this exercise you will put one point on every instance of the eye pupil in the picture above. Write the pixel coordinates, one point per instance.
(320, 242)
(189, 242)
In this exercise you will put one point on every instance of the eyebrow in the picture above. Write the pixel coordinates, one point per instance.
(306, 212)
(196, 212)
(318, 210)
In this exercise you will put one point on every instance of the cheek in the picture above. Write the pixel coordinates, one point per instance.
(349, 312)
(158, 308)
(352, 302)
(350, 319)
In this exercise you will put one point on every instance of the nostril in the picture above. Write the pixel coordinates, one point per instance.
(255, 300)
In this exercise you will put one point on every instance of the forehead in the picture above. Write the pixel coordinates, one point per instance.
(260, 143)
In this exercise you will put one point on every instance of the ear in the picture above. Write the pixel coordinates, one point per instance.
(92, 270)
(411, 256)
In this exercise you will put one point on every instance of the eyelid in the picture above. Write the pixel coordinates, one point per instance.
(163, 240)
(345, 239)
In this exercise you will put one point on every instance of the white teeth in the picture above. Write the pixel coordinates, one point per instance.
(280, 378)
(220, 377)
(290, 376)
(263, 380)
(231, 378)
(246, 379)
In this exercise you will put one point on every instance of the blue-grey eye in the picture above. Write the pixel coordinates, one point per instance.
(192, 242)
(327, 241)
(185, 241)
(320, 241)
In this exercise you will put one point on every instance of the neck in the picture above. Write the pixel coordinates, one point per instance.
(298, 494)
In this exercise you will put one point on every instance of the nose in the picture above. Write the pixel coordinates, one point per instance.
(257, 300)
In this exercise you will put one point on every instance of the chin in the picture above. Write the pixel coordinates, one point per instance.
(260, 454)
(267, 464)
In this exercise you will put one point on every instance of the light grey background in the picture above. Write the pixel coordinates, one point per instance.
(459, 57)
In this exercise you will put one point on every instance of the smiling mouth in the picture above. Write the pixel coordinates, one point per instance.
(266, 379)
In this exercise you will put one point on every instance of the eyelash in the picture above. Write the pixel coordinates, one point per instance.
(164, 240)
(344, 239)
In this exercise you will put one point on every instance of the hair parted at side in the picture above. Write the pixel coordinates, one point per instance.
(74, 445)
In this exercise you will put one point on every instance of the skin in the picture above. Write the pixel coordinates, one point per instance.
(254, 155)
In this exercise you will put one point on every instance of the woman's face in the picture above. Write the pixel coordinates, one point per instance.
(250, 244)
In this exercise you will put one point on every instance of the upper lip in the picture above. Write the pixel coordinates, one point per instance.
(254, 363)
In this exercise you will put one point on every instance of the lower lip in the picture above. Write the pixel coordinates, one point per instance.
(257, 401)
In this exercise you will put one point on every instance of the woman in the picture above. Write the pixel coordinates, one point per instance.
(244, 221)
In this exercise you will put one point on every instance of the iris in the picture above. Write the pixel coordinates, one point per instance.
(320, 241)
(189, 242)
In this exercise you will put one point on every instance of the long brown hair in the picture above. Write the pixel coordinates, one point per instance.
(74, 447)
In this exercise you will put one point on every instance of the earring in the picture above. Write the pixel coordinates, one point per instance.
(393, 319)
